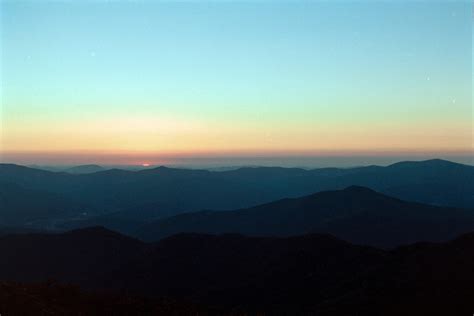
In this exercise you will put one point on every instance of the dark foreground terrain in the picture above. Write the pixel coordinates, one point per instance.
(191, 274)
(50, 298)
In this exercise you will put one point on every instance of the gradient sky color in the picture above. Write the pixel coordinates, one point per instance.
(197, 78)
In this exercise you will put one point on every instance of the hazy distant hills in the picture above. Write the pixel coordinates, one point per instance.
(85, 169)
(126, 221)
(156, 193)
(311, 274)
(81, 169)
(23, 207)
(356, 214)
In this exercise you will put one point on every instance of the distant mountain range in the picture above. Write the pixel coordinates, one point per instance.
(85, 169)
(356, 214)
(312, 274)
(81, 169)
(121, 196)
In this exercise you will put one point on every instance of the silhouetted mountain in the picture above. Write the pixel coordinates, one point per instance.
(155, 193)
(228, 270)
(88, 257)
(357, 214)
(312, 274)
(420, 279)
(84, 169)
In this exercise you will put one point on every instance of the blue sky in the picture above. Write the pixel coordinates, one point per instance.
(265, 75)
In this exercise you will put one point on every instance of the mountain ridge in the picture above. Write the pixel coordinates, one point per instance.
(112, 195)
(356, 213)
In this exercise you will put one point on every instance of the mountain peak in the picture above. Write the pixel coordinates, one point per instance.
(428, 163)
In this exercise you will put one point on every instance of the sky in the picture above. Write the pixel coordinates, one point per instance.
(133, 81)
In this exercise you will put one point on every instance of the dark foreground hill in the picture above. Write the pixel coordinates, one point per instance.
(112, 197)
(356, 214)
(53, 299)
(312, 274)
